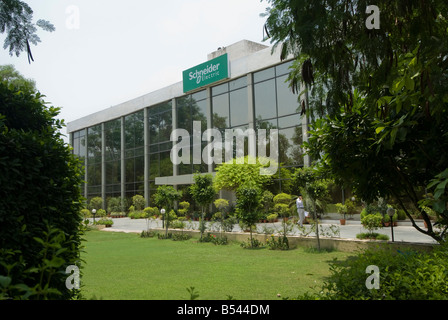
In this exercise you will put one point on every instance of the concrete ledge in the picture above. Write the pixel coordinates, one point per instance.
(345, 245)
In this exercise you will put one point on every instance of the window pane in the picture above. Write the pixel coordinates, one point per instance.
(220, 107)
(283, 68)
(166, 166)
(289, 121)
(222, 88)
(239, 107)
(287, 101)
(265, 102)
(238, 83)
(264, 75)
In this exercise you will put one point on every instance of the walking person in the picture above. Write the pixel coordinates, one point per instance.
(300, 209)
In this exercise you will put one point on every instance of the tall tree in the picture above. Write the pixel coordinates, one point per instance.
(382, 92)
(16, 19)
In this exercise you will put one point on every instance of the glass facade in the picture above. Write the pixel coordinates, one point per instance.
(116, 152)
(134, 154)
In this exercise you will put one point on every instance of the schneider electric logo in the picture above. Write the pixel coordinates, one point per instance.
(209, 72)
(206, 73)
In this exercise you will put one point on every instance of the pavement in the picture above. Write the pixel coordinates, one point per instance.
(403, 232)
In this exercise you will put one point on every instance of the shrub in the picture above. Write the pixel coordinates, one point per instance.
(372, 222)
(151, 211)
(138, 202)
(404, 275)
(184, 206)
(100, 213)
(251, 243)
(372, 235)
(106, 222)
(280, 243)
(85, 213)
(40, 199)
(96, 203)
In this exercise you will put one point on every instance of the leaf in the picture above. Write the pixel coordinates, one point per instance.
(409, 84)
(379, 129)
(5, 281)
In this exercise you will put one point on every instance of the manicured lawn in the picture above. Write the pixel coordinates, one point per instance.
(124, 266)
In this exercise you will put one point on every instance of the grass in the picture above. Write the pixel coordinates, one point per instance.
(126, 267)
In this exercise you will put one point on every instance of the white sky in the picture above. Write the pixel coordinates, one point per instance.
(124, 49)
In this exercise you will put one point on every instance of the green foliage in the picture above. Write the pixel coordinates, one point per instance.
(165, 197)
(279, 243)
(267, 200)
(404, 275)
(372, 222)
(221, 204)
(138, 202)
(251, 243)
(342, 209)
(184, 206)
(96, 203)
(193, 293)
(203, 193)
(116, 204)
(10, 75)
(85, 213)
(39, 192)
(372, 235)
(202, 190)
(106, 222)
(248, 204)
(237, 172)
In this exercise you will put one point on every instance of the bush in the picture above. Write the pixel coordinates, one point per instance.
(138, 202)
(40, 199)
(372, 222)
(404, 275)
(373, 235)
(85, 213)
(272, 217)
(281, 243)
(106, 222)
(251, 244)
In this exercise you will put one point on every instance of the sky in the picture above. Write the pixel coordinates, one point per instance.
(105, 52)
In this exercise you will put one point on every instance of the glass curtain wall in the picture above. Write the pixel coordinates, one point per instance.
(276, 107)
(94, 159)
(191, 108)
(160, 126)
(112, 133)
(230, 108)
(134, 159)
(80, 149)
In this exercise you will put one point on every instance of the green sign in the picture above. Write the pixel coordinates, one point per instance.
(206, 73)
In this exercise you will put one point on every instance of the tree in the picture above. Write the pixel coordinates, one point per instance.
(164, 198)
(203, 193)
(315, 189)
(40, 199)
(9, 74)
(16, 20)
(248, 204)
(380, 92)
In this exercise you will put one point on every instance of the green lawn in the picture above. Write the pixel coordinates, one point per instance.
(125, 266)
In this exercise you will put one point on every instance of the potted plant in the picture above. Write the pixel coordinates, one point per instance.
(272, 217)
(106, 222)
(342, 210)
